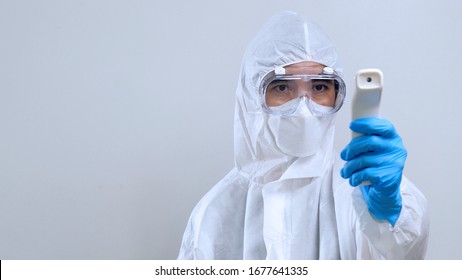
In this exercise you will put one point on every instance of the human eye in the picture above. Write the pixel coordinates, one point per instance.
(279, 87)
(321, 86)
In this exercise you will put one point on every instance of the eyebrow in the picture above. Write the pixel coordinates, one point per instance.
(279, 81)
(327, 81)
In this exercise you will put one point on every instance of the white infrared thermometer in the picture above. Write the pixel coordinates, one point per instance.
(366, 101)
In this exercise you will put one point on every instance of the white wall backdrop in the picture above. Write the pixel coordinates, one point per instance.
(117, 116)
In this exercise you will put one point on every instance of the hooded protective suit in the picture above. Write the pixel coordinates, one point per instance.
(273, 205)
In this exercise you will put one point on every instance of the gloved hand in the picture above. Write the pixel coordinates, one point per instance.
(378, 157)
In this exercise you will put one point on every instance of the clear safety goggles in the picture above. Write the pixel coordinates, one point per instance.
(323, 93)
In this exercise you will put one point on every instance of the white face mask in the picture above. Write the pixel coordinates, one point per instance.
(300, 134)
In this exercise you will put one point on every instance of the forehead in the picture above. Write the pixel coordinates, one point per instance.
(305, 67)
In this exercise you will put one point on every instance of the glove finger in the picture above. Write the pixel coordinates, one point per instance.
(373, 126)
(361, 162)
(362, 145)
(364, 175)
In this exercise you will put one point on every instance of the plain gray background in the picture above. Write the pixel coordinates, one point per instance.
(117, 116)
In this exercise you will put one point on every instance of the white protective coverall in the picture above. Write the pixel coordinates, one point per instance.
(274, 206)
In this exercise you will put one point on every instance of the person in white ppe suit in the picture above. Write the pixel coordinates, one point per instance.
(289, 196)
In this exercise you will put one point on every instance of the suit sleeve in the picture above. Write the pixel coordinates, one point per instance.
(363, 237)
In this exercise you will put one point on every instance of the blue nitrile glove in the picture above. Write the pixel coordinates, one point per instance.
(377, 156)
